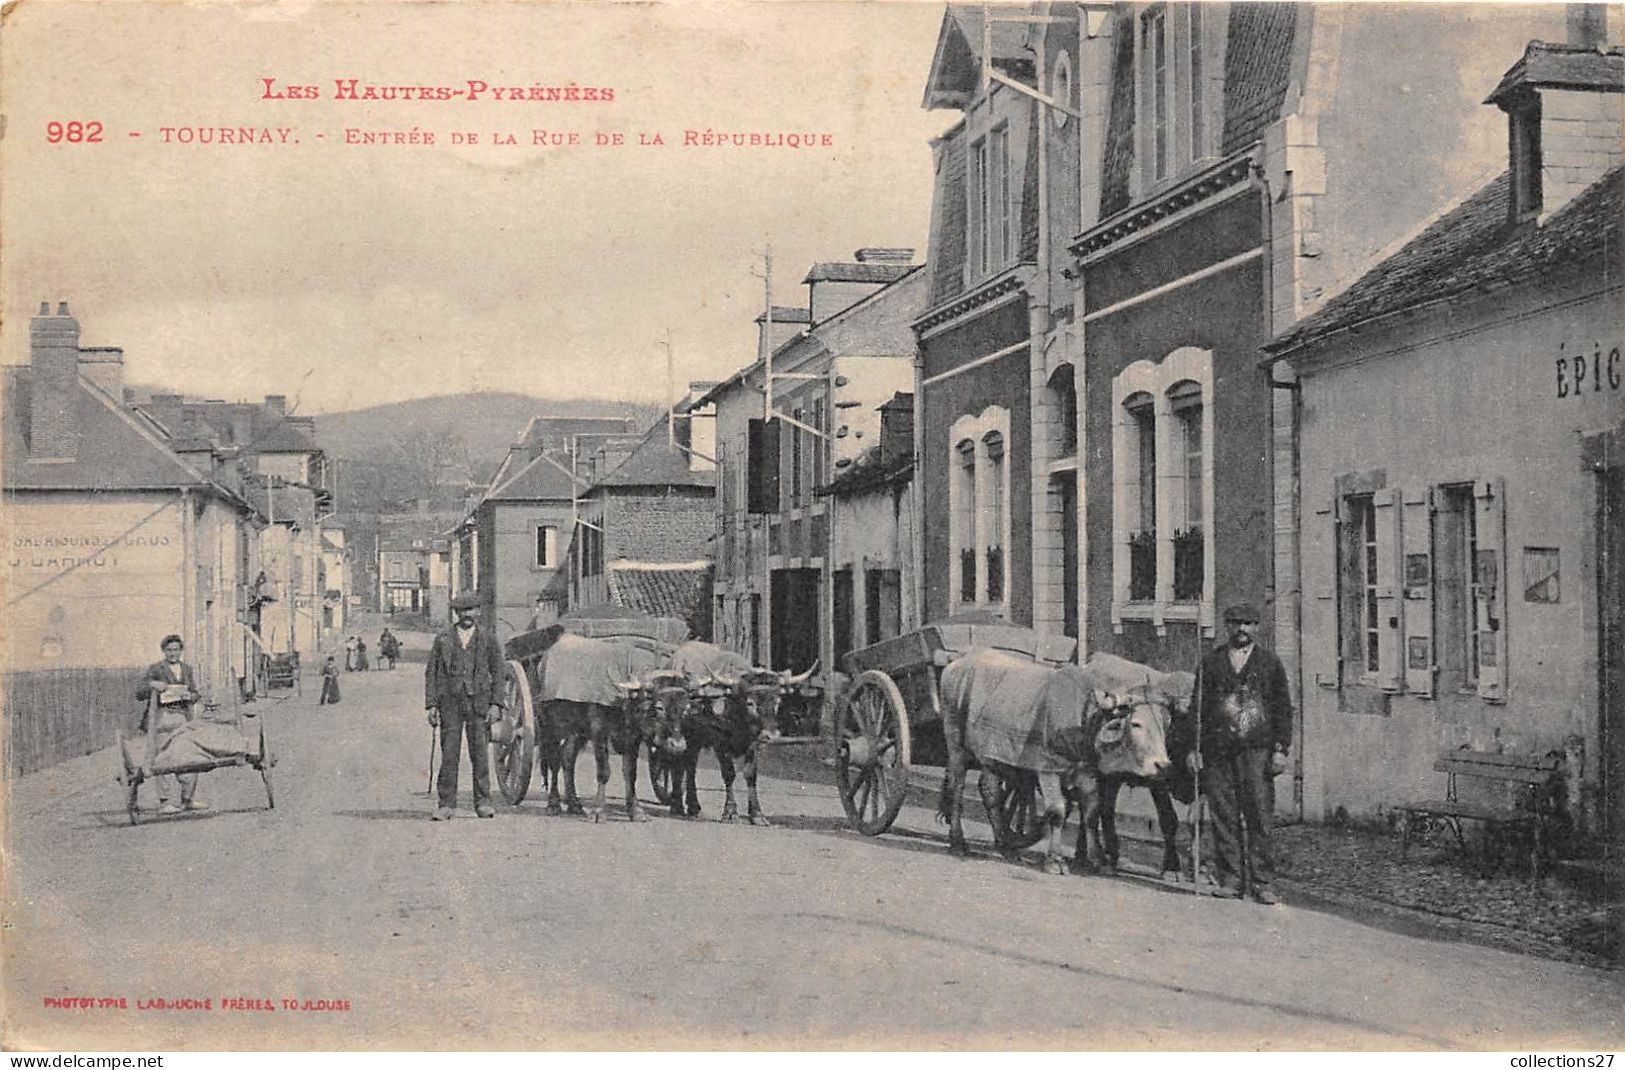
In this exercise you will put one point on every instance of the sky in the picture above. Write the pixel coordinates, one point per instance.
(353, 274)
(347, 275)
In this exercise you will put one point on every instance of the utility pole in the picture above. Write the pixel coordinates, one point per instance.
(671, 401)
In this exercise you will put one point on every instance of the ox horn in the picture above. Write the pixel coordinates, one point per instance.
(787, 680)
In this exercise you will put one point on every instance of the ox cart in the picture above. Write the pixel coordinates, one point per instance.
(893, 718)
(199, 745)
(514, 736)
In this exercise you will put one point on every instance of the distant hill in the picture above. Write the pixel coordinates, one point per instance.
(487, 422)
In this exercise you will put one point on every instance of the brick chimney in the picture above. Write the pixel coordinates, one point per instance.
(1564, 108)
(104, 366)
(53, 431)
(788, 321)
(276, 405)
(166, 409)
(896, 430)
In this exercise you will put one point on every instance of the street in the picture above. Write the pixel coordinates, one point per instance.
(535, 932)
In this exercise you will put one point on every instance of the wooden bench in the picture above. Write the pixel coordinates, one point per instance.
(1536, 785)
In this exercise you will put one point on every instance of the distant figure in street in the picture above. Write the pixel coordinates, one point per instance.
(349, 653)
(175, 684)
(330, 683)
(1246, 717)
(389, 649)
(360, 655)
(463, 694)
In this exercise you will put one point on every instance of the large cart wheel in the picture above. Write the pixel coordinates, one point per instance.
(513, 739)
(871, 766)
(266, 761)
(662, 775)
(1024, 823)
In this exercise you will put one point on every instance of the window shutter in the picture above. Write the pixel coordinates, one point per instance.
(1489, 590)
(1416, 578)
(1322, 643)
(1390, 652)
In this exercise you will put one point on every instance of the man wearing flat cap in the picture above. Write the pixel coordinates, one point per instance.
(463, 693)
(1246, 712)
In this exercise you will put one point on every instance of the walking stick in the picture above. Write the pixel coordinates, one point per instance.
(1197, 804)
(434, 741)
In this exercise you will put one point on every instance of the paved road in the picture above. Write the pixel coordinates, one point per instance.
(529, 931)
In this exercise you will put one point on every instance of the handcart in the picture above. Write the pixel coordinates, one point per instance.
(153, 753)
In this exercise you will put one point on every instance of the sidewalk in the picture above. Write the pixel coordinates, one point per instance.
(1358, 873)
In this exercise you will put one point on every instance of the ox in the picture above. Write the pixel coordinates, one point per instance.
(589, 690)
(732, 708)
(1018, 720)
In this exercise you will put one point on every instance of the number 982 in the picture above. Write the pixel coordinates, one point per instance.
(74, 133)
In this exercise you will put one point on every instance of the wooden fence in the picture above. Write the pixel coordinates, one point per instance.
(56, 714)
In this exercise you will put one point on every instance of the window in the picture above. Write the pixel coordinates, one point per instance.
(993, 450)
(1196, 94)
(1456, 543)
(979, 493)
(991, 242)
(1418, 586)
(1162, 492)
(965, 518)
(1064, 395)
(1154, 54)
(546, 546)
(797, 435)
(1142, 466)
(1541, 575)
(883, 604)
(1524, 131)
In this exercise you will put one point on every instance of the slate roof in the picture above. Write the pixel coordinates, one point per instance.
(1563, 67)
(1257, 72)
(543, 479)
(948, 258)
(286, 437)
(844, 272)
(656, 463)
(786, 314)
(117, 451)
(1475, 248)
(956, 65)
(662, 590)
(867, 473)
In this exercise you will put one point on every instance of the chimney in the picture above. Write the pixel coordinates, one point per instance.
(104, 366)
(1563, 107)
(276, 405)
(242, 425)
(53, 431)
(166, 409)
(1587, 25)
(884, 255)
(788, 322)
(896, 431)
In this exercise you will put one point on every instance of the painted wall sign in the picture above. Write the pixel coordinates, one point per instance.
(1579, 373)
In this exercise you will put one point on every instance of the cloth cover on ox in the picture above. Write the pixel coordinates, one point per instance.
(698, 660)
(1031, 716)
(1018, 711)
(184, 743)
(588, 670)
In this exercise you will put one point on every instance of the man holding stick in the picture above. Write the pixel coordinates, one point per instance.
(1245, 711)
(463, 694)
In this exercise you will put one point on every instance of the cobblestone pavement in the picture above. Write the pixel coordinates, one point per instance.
(364, 925)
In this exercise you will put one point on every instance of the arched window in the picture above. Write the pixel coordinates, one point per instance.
(979, 495)
(1064, 393)
(964, 521)
(1186, 501)
(994, 515)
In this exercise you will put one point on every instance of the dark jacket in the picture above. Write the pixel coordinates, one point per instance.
(1241, 711)
(157, 677)
(477, 671)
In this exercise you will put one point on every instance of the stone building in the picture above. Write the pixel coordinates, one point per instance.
(114, 540)
(833, 363)
(1462, 464)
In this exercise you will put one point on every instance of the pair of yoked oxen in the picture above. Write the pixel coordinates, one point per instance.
(625, 693)
(1081, 732)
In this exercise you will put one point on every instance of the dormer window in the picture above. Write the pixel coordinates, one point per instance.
(1154, 54)
(992, 243)
(1176, 55)
(1524, 127)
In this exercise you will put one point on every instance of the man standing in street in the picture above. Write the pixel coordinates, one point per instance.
(175, 684)
(1246, 717)
(463, 693)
